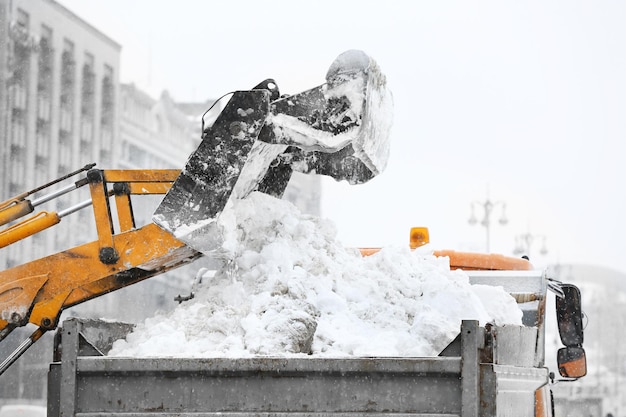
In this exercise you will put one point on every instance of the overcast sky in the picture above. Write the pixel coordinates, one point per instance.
(519, 102)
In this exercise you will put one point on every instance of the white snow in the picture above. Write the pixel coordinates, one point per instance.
(288, 287)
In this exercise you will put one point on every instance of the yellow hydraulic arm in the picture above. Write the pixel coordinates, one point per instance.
(20, 205)
(38, 291)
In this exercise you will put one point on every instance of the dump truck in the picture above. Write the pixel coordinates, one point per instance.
(259, 139)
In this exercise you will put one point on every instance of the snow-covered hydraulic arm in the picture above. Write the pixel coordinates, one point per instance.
(339, 128)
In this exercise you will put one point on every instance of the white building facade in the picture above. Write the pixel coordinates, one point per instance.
(58, 106)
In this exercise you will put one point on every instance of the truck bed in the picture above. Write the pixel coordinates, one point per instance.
(464, 381)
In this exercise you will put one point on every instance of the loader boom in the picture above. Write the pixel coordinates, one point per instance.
(38, 291)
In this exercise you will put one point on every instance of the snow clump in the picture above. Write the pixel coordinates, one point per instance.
(287, 287)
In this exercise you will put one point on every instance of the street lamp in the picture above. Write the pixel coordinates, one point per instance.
(523, 244)
(488, 206)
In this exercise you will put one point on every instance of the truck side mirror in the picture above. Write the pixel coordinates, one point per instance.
(571, 360)
(569, 316)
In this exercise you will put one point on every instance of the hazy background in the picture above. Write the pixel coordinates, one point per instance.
(521, 102)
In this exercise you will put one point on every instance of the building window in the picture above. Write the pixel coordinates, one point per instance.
(17, 94)
(18, 120)
(17, 154)
(88, 89)
(65, 152)
(66, 113)
(87, 107)
(107, 116)
(19, 61)
(108, 98)
(19, 31)
(68, 65)
(44, 80)
(43, 133)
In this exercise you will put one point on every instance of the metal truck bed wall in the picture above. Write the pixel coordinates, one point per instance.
(477, 375)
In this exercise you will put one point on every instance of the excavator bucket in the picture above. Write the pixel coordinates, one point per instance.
(340, 129)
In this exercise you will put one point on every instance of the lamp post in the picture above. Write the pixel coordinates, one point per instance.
(488, 206)
(524, 242)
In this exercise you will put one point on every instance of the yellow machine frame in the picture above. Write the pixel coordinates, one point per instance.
(38, 291)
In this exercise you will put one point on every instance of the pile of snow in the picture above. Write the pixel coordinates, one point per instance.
(288, 287)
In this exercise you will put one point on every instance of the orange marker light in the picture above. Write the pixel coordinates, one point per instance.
(419, 237)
